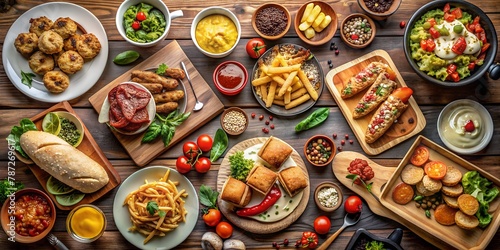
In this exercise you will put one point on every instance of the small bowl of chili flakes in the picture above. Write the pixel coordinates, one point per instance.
(230, 77)
(319, 150)
(29, 203)
(271, 21)
(379, 9)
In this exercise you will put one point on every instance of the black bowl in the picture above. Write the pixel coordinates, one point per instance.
(486, 24)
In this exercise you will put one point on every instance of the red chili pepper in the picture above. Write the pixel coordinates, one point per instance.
(309, 240)
(268, 202)
(460, 46)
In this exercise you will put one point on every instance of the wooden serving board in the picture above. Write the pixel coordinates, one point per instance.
(171, 55)
(410, 123)
(248, 224)
(89, 147)
(382, 175)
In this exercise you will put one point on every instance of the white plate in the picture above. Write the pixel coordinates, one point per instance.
(80, 82)
(121, 215)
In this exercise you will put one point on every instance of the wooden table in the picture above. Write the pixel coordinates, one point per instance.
(431, 99)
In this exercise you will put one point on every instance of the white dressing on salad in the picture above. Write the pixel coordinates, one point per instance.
(445, 43)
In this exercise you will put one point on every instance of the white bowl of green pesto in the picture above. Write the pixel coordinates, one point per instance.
(71, 128)
(433, 63)
(144, 23)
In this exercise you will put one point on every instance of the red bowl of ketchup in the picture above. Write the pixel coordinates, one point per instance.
(230, 77)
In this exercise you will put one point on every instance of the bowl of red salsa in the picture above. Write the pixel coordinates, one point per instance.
(230, 77)
(28, 215)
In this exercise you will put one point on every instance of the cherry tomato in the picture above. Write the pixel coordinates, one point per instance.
(202, 165)
(224, 229)
(435, 170)
(182, 165)
(353, 204)
(136, 25)
(420, 156)
(204, 142)
(322, 224)
(212, 217)
(255, 47)
(459, 46)
(457, 12)
(141, 16)
(190, 149)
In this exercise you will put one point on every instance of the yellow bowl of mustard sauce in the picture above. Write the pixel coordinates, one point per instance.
(86, 223)
(215, 31)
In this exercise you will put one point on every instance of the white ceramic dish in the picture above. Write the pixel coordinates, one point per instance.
(80, 82)
(211, 11)
(121, 214)
(157, 4)
(486, 125)
(151, 107)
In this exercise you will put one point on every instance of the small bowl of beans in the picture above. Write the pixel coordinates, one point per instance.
(379, 9)
(234, 121)
(271, 21)
(328, 196)
(357, 30)
(319, 150)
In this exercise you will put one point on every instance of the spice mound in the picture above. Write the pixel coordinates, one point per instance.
(379, 6)
(271, 21)
(234, 121)
(328, 197)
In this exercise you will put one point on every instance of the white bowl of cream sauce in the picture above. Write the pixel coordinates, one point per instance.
(452, 121)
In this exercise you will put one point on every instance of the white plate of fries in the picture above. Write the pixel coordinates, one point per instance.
(163, 229)
(287, 80)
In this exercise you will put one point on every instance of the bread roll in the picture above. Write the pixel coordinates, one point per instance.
(63, 161)
(293, 180)
(236, 192)
(261, 179)
(274, 153)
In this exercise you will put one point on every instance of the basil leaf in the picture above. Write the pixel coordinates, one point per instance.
(208, 196)
(27, 78)
(15, 135)
(219, 146)
(164, 127)
(161, 69)
(153, 131)
(27, 125)
(316, 118)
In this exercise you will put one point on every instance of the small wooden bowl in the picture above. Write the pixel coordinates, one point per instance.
(279, 6)
(379, 16)
(344, 37)
(329, 141)
(5, 216)
(325, 35)
(328, 184)
(224, 124)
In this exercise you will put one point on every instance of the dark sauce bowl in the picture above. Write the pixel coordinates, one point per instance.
(486, 24)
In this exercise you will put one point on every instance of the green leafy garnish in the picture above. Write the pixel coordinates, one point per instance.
(9, 186)
(16, 132)
(27, 78)
(348, 90)
(219, 146)
(374, 245)
(240, 167)
(161, 69)
(152, 207)
(164, 127)
(484, 191)
(316, 118)
(208, 196)
(355, 177)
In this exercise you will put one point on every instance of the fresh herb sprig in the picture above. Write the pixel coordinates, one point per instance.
(16, 132)
(314, 119)
(240, 166)
(27, 78)
(8, 187)
(208, 196)
(161, 69)
(152, 207)
(164, 127)
(355, 177)
(219, 146)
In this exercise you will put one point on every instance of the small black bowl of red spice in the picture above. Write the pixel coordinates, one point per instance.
(271, 21)
(230, 77)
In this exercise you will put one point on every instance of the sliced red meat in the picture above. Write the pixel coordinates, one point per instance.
(141, 97)
(131, 127)
(112, 94)
(126, 103)
(116, 118)
(140, 116)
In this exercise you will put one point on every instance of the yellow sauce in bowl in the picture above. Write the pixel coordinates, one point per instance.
(86, 223)
(216, 33)
(453, 127)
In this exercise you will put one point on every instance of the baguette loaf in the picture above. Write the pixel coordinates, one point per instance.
(64, 162)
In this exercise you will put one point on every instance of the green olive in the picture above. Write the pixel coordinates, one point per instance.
(427, 25)
(458, 29)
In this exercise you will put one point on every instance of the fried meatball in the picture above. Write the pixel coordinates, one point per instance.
(56, 81)
(65, 27)
(40, 24)
(41, 63)
(26, 43)
(70, 62)
(50, 42)
(70, 43)
(88, 46)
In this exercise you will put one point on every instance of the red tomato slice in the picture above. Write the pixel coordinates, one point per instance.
(420, 156)
(457, 12)
(403, 93)
(435, 170)
(446, 8)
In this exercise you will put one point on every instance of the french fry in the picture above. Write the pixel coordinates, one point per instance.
(261, 80)
(287, 83)
(318, 20)
(307, 84)
(278, 79)
(270, 94)
(324, 24)
(287, 96)
(307, 12)
(296, 94)
(281, 70)
(297, 101)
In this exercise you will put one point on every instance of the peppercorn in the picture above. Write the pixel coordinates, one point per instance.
(342, 142)
(337, 52)
(272, 126)
(271, 117)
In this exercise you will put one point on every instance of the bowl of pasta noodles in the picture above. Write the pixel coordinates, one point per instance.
(451, 43)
